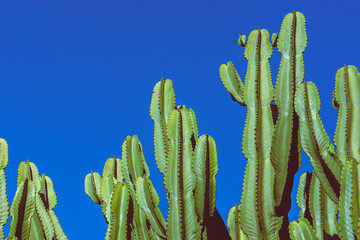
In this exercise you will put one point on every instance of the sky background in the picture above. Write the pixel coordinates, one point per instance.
(76, 78)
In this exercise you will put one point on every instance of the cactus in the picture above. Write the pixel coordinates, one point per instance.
(129, 213)
(32, 207)
(315, 141)
(328, 197)
(271, 134)
(4, 204)
(336, 171)
(301, 230)
(280, 122)
(316, 207)
(189, 165)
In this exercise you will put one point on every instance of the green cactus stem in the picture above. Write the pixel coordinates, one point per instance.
(317, 207)
(32, 207)
(285, 149)
(22, 210)
(257, 216)
(121, 212)
(4, 204)
(347, 100)
(349, 210)
(233, 223)
(315, 141)
(180, 178)
(301, 230)
(149, 201)
(162, 104)
(206, 167)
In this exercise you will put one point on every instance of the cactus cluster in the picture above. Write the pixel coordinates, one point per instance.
(271, 135)
(32, 211)
(129, 200)
(279, 123)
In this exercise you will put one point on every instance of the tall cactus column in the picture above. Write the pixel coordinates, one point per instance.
(189, 165)
(180, 178)
(271, 130)
(286, 150)
(257, 207)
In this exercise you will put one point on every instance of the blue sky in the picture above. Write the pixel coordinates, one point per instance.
(76, 78)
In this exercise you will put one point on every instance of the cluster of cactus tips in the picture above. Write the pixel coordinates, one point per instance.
(129, 200)
(31, 211)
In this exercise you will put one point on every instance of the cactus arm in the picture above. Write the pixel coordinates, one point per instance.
(59, 232)
(232, 82)
(353, 132)
(148, 200)
(286, 151)
(107, 186)
(112, 174)
(162, 103)
(93, 186)
(41, 224)
(48, 202)
(142, 227)
(113, 168)
(120, 208)
(315, 141)
(349, 201)
(134, 164)
(36, 230)
(22, 210)
(180, 178)
(330, 211)
(47, 193)
(257, 202)
(4, 154)
(194, 126)
(347, 97)
(233, 222)
(4, 203)
(316, 206)
(301, 230)
(28, 170)
(206, 167)
(339, 97)
(302, 196)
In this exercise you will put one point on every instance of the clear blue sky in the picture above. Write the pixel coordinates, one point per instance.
(76, 78)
